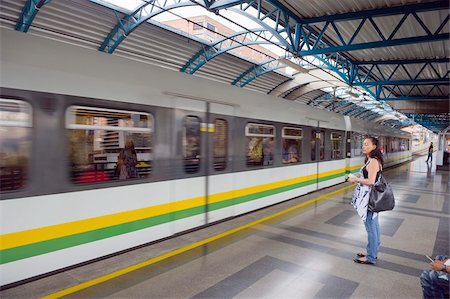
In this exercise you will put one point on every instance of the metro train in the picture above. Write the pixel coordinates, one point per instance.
(203, 152)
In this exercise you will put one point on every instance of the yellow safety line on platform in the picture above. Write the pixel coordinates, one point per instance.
(115, 274)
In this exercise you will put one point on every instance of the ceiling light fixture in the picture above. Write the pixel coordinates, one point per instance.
(351, 93)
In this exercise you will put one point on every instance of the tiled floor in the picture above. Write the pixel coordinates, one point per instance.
(305, 254)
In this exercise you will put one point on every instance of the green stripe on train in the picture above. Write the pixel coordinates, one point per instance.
(38, 248)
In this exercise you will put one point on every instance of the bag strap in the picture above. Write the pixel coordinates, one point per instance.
(381, 169)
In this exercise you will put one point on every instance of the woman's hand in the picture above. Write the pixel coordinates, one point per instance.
(437, 265)
(352, 179)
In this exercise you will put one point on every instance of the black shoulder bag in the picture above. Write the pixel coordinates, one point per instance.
(381, 196)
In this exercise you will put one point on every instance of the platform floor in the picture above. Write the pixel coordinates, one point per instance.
(306, 253)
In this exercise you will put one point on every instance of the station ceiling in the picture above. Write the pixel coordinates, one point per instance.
(382, 60)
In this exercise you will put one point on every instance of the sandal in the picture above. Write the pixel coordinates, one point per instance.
(366, 262)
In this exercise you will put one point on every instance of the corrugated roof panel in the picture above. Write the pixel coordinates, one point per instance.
(307, 97)
(409, 28)
(83, 20)
(156, 43)
(423, 90)
(433, 19)
(267, 81)
(223, 68)
(10, 11)
(368, 32)
(347, 29)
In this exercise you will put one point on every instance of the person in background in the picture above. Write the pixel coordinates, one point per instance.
(127, 161)
(368, 175)
(435, 282)
(290, 152)
(430, 153)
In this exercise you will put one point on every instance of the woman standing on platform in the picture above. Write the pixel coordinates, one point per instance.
(368, 175)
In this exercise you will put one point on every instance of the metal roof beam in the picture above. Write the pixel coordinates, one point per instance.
(378, 44)
(435, 81)
(264, 35)
(416, 98)
(222, 4)
(233, 41)
(298, 37)
(29, 12)
(404, 61)
(367, 21)
(388, 11)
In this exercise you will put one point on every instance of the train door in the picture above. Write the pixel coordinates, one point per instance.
(219, 181)
(189, 166)
(317, 150)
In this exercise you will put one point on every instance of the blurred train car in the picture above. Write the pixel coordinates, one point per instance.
(204, 152)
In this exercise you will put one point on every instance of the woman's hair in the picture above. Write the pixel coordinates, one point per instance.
(375, 153)
(129, 145)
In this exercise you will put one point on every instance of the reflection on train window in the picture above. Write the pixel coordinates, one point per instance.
(381, 144)
(404, 144)
(321, 137)
(318, 135)
(336, 145)
(191, 144)
(108, 144)
(356, 144)
(292, 145)
(15, 143)
(260, 144)
(394, 144)
(220, 144)
(313, 145)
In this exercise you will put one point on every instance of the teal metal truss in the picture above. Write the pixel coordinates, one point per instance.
(228, 43)
(29, 11)
(435, 122)
(127, 24)
(311, 37)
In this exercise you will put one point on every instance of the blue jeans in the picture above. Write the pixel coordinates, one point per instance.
(430, 157)
(373, 237)
(435, 284)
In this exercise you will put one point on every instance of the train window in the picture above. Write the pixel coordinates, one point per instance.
(336, 145)
(220, 144)
(108, 144)
(260, 144)
(15, 143)
(292, 145)
(191, 144)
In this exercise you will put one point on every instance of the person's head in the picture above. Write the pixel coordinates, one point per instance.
(371, 149)
(129, 144)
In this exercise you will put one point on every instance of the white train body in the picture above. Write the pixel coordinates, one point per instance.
(52, 223)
